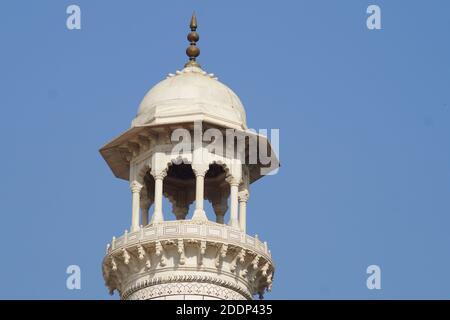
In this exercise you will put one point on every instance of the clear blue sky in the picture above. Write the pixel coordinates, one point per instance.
(364, 119)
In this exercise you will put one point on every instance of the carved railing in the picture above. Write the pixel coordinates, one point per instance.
(188, 229)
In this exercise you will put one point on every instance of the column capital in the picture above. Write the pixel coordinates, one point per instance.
(159, 175)
(200, 170)
(136, 186)
(233, 181)
(243, 195)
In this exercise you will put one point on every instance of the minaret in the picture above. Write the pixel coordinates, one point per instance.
(183, 255)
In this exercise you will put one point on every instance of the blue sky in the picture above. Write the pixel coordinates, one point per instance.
(364, 119)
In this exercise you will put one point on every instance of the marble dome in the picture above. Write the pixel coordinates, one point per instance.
(191, 95)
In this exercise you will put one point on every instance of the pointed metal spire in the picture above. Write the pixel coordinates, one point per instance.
(193, 51)
(193, 24)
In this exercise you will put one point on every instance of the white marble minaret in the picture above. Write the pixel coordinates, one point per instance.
(184, 255)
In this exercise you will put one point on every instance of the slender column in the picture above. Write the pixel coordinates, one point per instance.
(136, 188)
(199, 213)
(234, 185)
(158, 213)
(243, 198)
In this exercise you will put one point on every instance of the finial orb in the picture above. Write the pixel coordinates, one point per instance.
(192, 51)
(193, 36)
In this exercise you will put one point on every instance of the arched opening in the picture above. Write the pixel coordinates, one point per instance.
(217, 192)
(179, 189)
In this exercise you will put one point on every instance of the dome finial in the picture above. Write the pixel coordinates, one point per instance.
(193, 51)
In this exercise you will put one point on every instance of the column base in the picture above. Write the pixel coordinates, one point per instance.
(234, 224)
(199, 215)
(157, 218)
